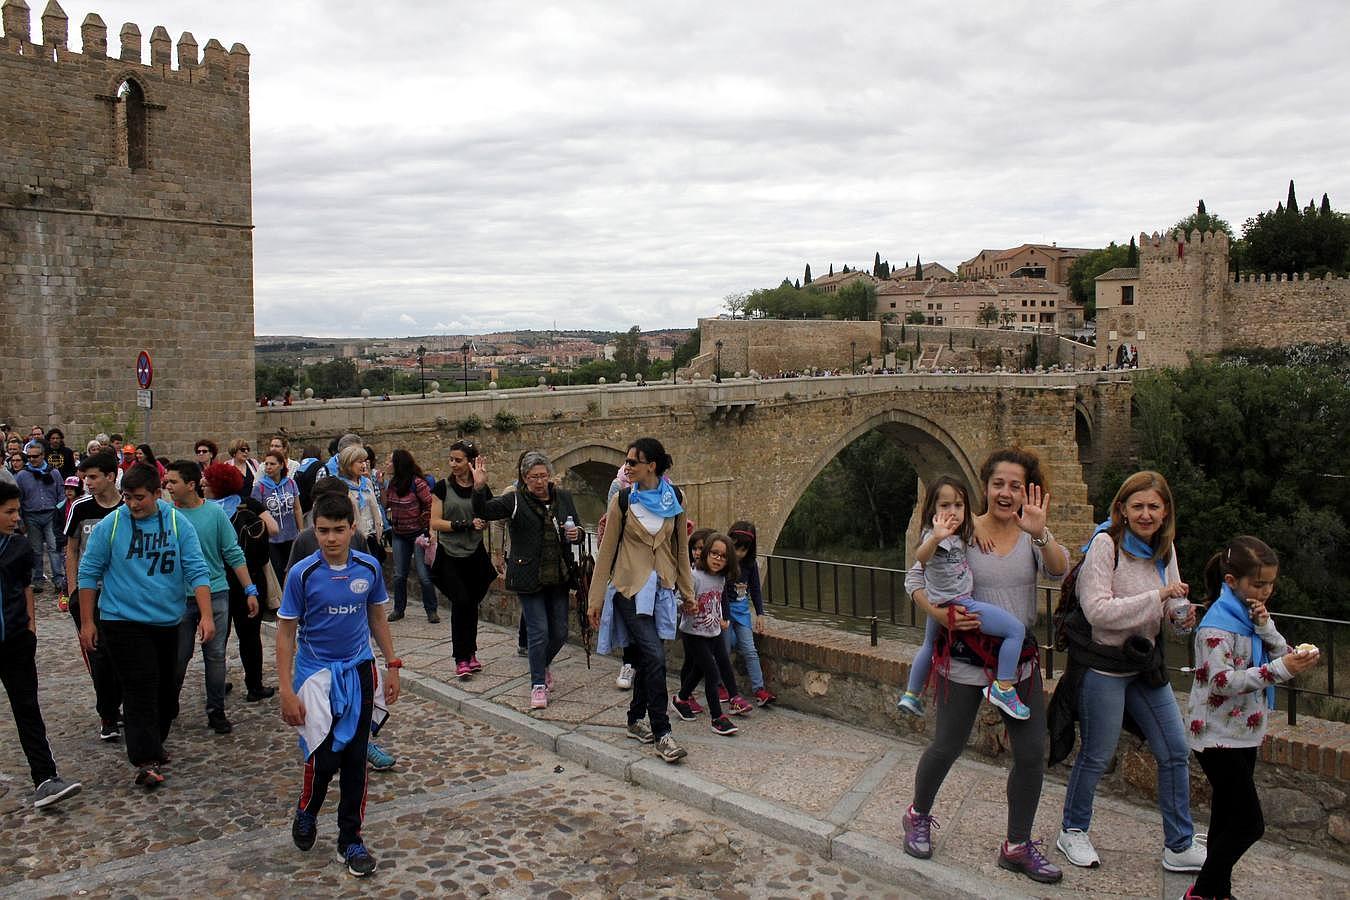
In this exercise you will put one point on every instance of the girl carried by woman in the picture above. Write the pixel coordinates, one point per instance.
(702, 620)
(946, 539)
(1239, 658)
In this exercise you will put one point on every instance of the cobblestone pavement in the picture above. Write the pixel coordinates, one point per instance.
(850, 786)
(469, 811)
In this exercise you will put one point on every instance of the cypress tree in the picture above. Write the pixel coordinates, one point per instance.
(1326, 206)
(1200, 208)
(831, 268)
(876, 264)
(1292, 204)
(798, 285)
(1132, 256)
(807, 277)
(918, 269)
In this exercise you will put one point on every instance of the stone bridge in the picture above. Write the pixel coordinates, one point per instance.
(751, 447)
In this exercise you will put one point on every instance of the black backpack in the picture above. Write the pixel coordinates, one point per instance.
(1068, 603)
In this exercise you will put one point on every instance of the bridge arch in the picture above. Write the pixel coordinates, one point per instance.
(931, 449)
(587, 468)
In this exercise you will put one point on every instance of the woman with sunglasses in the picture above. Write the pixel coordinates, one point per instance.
(247, 465)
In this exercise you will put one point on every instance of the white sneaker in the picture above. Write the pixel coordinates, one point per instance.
(625, 679)
(1192, 859)
(1077, 848)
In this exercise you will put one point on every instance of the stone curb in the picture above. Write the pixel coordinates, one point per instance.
(596, 755)
(888, 864)
(869, 855)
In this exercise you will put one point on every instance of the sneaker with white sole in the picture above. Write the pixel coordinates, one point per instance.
(624, 681)
(1077, 848)
(1192, 859)
(641, 732)
(911, 704)
(1008, 701)
(539, 697)
(54, 790)
(670, 751)
(682, 708)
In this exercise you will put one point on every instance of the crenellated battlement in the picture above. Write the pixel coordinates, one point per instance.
(1281, 277)
(217, 63)
(1176, 245)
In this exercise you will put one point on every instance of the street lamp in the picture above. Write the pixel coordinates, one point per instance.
(717, 369)
(422, 368)
(853, 357)
(464, 348)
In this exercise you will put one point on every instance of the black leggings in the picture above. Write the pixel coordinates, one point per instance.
(248, 631)
(1235, 822)
(957, 706)
(704, 658)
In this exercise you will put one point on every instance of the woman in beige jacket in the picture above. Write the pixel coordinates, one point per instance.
(645, 557)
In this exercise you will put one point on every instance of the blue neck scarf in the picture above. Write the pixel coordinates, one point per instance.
(266, 481)
(1134, 545)
(360, 487)
(230, 504)
(1229, 613)
(660, 499)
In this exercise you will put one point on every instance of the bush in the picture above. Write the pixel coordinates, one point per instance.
(470, 425)
(505, 422)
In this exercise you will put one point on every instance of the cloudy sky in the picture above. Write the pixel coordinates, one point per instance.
(425, 167)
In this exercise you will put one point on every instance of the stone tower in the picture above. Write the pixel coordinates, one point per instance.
(125, 225)
(1182, 282)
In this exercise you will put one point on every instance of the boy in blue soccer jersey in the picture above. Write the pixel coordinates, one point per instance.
(334, 602)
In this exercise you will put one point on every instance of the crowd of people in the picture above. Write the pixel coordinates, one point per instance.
(153, 556)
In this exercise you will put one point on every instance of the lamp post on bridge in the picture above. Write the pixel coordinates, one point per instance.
(465, 350)
(717, 367)
(853, 357)
(422, 368)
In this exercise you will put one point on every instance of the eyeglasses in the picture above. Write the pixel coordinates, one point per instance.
(203, 450)
(242, 450)
(714, 553)
(634, 463)
(34, 455)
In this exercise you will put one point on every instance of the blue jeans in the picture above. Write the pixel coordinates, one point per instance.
(41, 527)
(1102, 704)
(649, 674)
(742, 637)
(213, 651)
(994, 622)
(545, 614)
(405, 549)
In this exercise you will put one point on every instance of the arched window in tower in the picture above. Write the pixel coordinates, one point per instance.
(132, 145)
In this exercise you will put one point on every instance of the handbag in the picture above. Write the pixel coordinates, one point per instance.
(428, 548)
(273, 587)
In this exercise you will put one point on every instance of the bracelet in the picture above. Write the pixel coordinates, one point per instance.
(394, 663)
(250, 590)
(1045, 538)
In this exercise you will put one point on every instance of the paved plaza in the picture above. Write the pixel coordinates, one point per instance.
(489, 799)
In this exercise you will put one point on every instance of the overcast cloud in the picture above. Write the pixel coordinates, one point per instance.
(423, 167)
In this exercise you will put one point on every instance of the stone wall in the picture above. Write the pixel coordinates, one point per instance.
(1053, 348)
(106, 250)
(1275, 311)
(767, 346)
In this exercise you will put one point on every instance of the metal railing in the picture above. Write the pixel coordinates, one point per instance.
(876, 595)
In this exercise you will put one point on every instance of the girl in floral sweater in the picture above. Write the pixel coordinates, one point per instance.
(1239, 658)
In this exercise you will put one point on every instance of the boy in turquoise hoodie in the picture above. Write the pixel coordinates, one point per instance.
(147, 556)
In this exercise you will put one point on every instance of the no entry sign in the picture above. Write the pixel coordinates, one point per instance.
(145, 373)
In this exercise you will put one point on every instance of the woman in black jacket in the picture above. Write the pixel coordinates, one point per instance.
(542, 521)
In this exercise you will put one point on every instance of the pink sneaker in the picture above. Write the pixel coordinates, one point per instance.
(722, 693)
(548, 679)
(462, 669)
(474, 665)
(539, 697)
(738, 706)
(694, 706)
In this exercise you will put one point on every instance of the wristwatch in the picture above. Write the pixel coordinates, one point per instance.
(394, 663)
(1045, 538)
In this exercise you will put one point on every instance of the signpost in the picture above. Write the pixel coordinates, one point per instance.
(145, 398)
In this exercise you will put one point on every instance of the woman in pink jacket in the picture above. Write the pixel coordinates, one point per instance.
(1127, 586)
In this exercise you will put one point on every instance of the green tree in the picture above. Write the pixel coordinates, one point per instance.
(272, 379)
(1201, 221)
(876, 265)
(1290, 240)
(914, 317)
(735, 304)
(918, 269)
(988, 315)
(336, 378)
(1132, 255)
(630, 353)
(831, 268)
(686, 352)
(806, 279)
(856, 300)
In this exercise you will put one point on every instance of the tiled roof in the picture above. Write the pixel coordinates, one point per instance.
(1025, 286)
(1122, 273)
(961, 289)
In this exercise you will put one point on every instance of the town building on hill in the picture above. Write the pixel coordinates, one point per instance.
(1024, 304)
(1044, 261)
(931, 272)
(828, 284)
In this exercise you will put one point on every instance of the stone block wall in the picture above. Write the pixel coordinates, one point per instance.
(125, 225)
(1275, 311)
(769, 345)
(1010, 344)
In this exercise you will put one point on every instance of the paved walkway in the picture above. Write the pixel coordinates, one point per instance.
(821, 785)
(469, 811)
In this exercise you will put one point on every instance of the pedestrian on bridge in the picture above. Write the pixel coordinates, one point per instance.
(1013, 548)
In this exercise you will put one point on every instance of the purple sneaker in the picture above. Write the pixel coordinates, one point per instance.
(918, 833)
(1029, 860)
